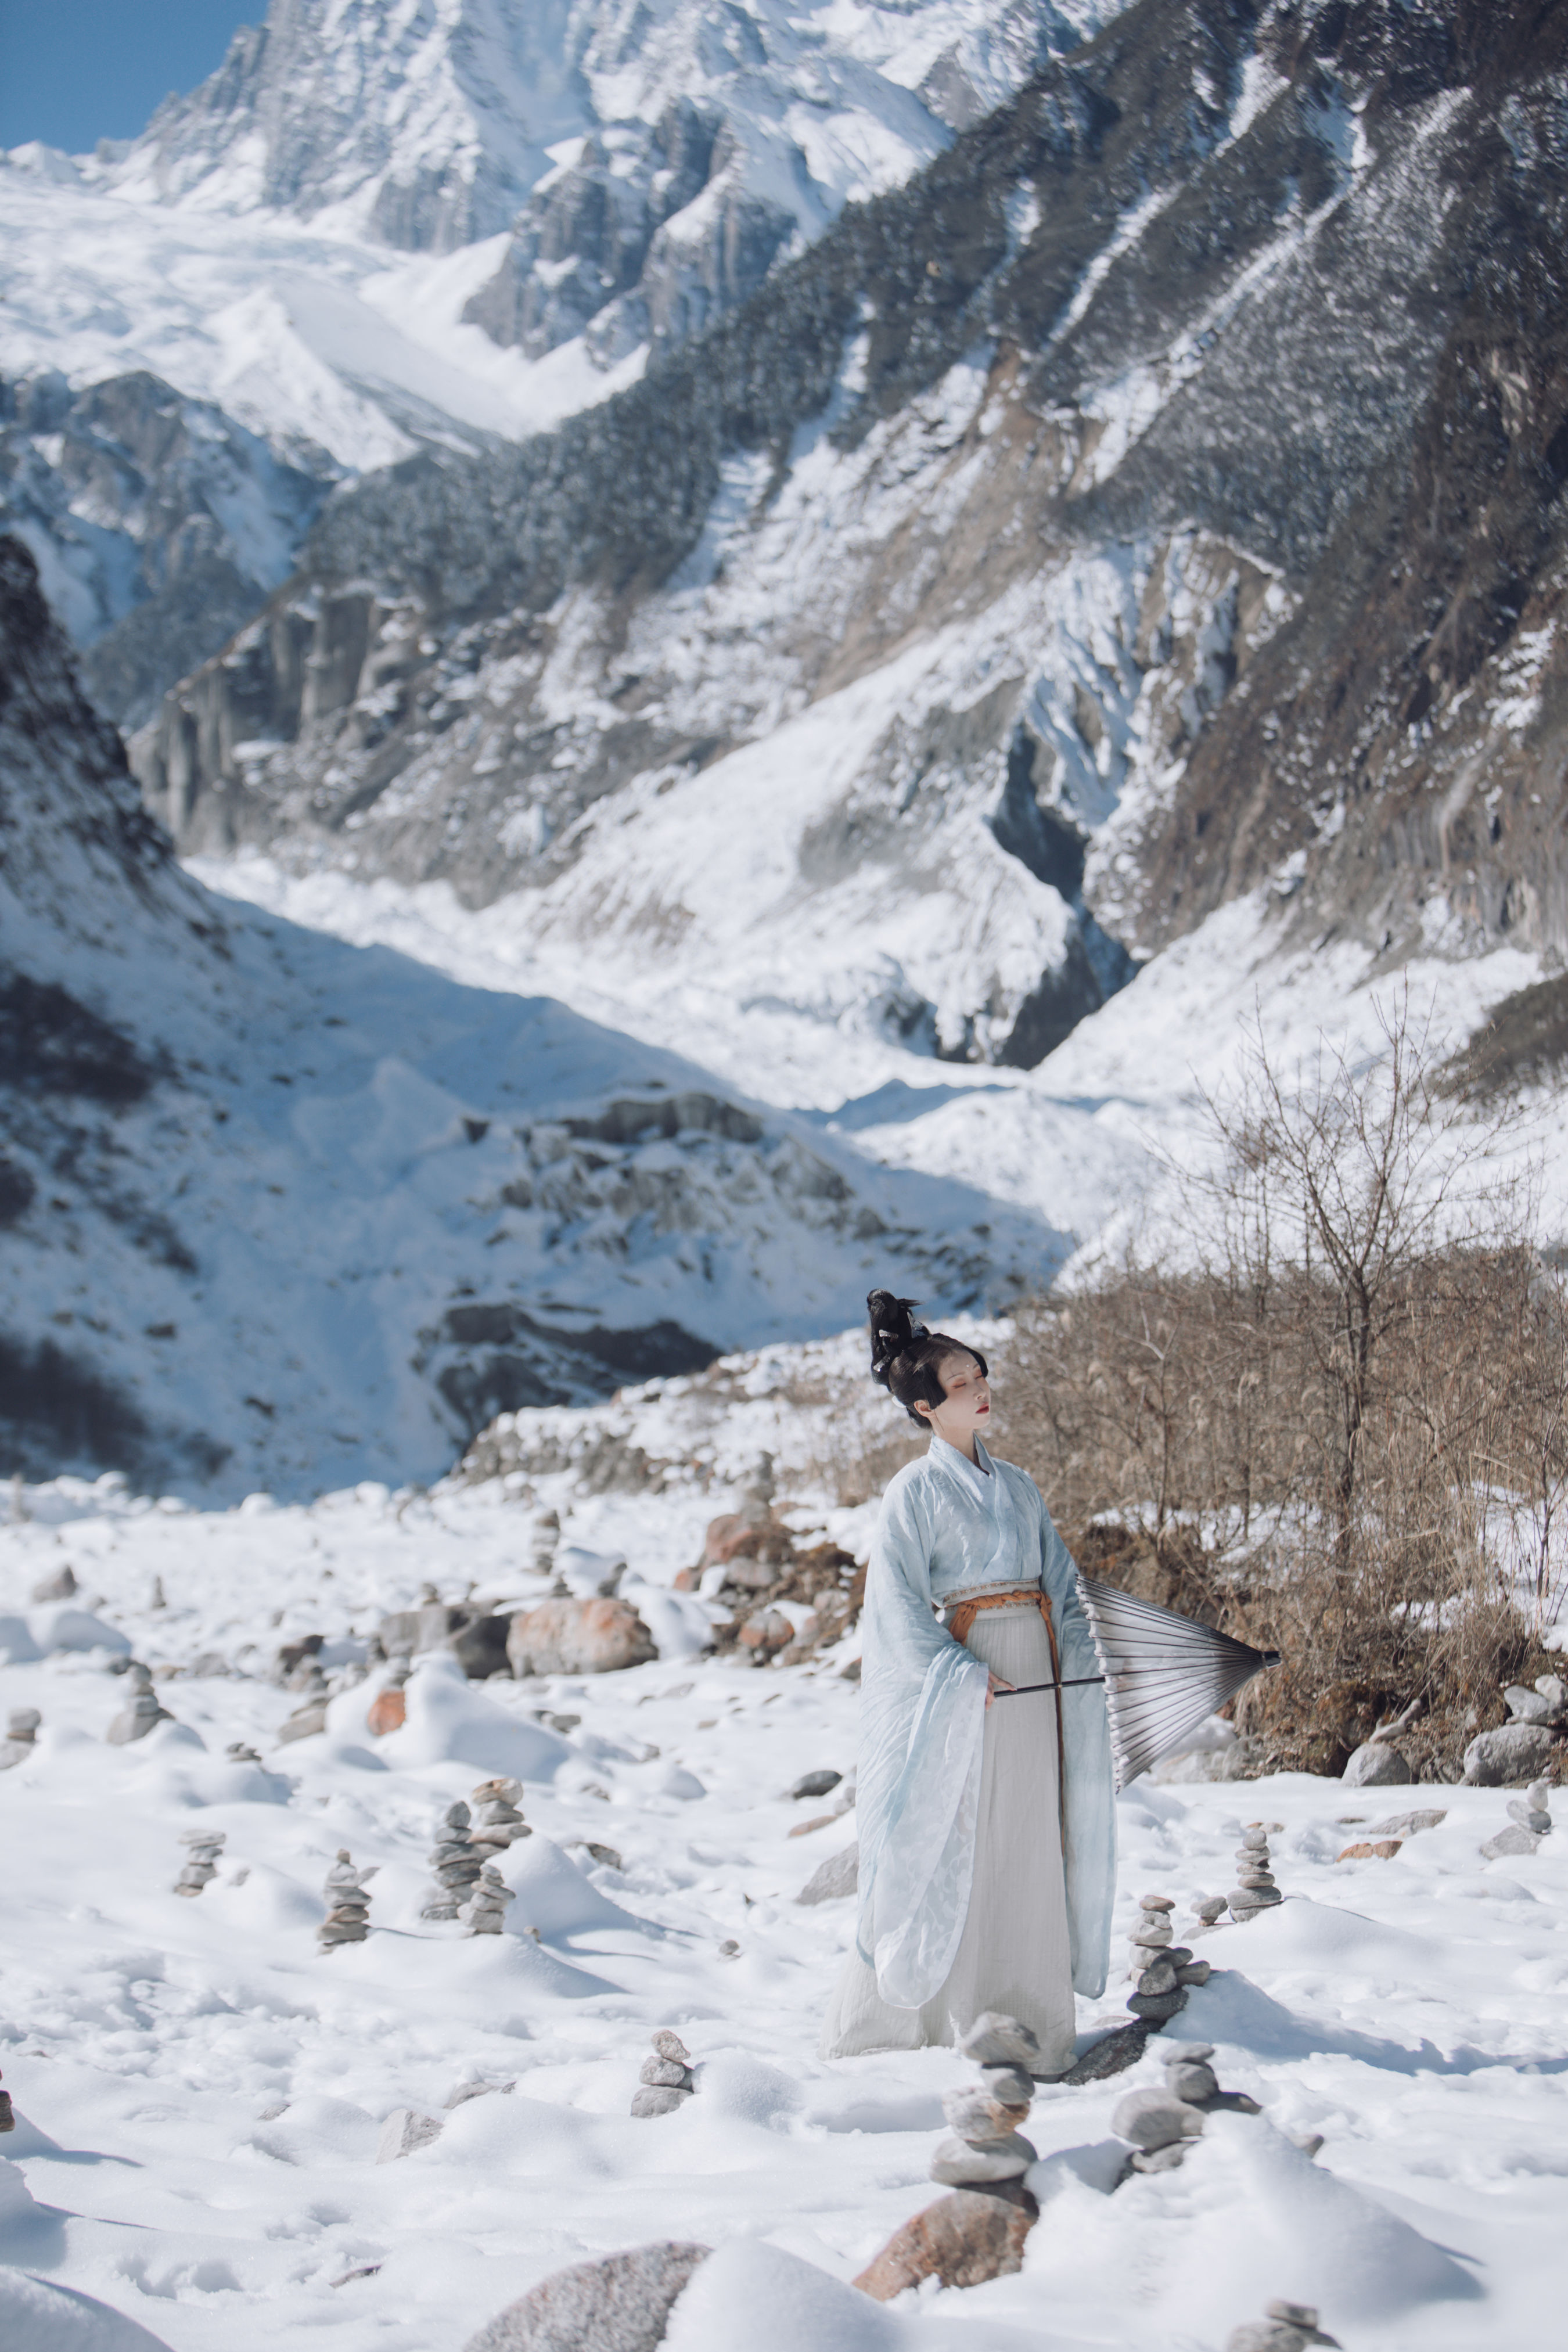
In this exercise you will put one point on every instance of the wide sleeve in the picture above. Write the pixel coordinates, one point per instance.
(922, 1744)
(1089, 1841)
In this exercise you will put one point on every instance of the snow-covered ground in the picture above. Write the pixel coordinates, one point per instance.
(202, 2092)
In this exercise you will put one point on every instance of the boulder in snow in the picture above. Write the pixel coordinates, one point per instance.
(619, 2304)
(1376, 1765)
(1508, 1758)
(404, 2130)
(597, 1636)
(840, 1874)
(962, 2240)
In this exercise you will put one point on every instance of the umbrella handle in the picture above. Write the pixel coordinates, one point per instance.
(1022, 1690)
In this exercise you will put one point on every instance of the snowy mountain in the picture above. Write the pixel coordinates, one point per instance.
(1155, 502)
(274, 1210)
(381, 227)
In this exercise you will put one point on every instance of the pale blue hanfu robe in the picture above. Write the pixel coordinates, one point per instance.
(980, 1884)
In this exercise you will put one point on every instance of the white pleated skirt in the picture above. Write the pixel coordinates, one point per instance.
(1015, 1953)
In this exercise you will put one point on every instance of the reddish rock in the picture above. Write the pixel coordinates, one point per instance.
(963, 2240)
(688, 1579)
(388, 1712)
(766, 1631)
(1379, 1848)
(578, 1637)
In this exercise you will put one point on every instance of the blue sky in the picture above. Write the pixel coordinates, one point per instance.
(75, 71)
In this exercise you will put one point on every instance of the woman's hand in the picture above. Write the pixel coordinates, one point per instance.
(993, 1683)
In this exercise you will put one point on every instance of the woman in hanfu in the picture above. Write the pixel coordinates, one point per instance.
(987, 1833)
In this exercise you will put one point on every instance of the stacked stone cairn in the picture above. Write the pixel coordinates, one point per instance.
(455, 1864)
(665, 2081)
(546, 1542)
(1161, 1969)
(142, 1711)
(1254, 1889)
(1284, 2327)
(348, 1905)
(21, 1731)
(309, 1678)
(1530, 1820)
(1159, 2124)
(203, 1850)
(984, 2148)
(484, 1913)
(497, 1821)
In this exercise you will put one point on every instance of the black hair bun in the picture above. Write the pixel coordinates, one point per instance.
(894, 1328)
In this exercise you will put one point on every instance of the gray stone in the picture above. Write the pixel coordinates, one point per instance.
(1539, 1824)
(1010, 2086)
(1153, 1929)
(134, 1722)
(1152, 2118)
(996, 2039)
(23, 1723)
(1191, 2080)
(668, 2074)
(1156, 1903)
(1159, 2160)
(1195, 1972)
(1403, 1825)
(1158, 2008)
(1188, 2053)
(659, 2099)
(1513, 1839)
(1376, 1765)
(404, 2130)
(1508, 1758)
(1159, 1977)
(305, 1722)
(670, 2046)
(1255, 1839)
(1245, 1900)
(1210, 1907)
(1539, 1792)
(619, 2304)
(61, 1586)
(960, 2163)
(1527, 1705)
(816, 1784)
(1553, 1688)
(975, 2116)
(838, 1875)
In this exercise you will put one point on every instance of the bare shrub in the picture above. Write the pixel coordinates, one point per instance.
(1334, 1420)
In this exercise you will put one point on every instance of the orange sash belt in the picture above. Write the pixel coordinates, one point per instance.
(1035, 1597)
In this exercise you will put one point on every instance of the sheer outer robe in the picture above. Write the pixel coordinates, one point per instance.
(945, 1529)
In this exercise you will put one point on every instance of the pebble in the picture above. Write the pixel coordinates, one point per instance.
(670, 2073)
(960, 2163)
(975, 2115)
(454, 1862)
(1210, 1908)
(1513, 1839)
(61, 1586)
(404, 2130)
(1152, 2119)
(21, 1734)
(1156, 1903)
(1161, 1978)
(658, 2102)
(1195, 1972)
(1155, 1930)
(1009, 2085)
(670, 2046)
(497, 1823)
(1191, 2080)
(994, 2040)
(1528, 1818)
(816, 1784)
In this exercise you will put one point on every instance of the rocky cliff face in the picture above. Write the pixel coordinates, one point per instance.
(1153, 499)
(159, 524)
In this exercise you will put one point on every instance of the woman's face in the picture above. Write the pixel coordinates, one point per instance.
(965, 1407)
